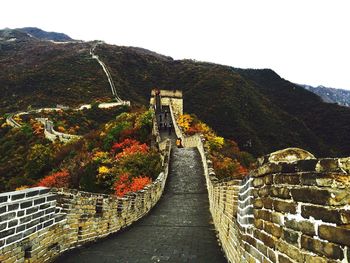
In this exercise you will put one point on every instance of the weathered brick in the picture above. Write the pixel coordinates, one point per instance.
(44, 191)
(311, 195)
(3, 226)
(290, 236)
(14, 238)
(258, 203)
(7, 232)
(306, 165)
(345, 216)
(17, 196)
(280, 192)
(32, 193)
(20, 228)
(268, 179)
(258, 181)
(3, 199)
(284, 259)
(258, 223)
(267, 202)
(12, 207)
(262, 214)
(39, 201)
(277, 218)
(48, 223)
(322, 213)
(273, 229)
(304, 226)
(262, 248)
(338, 235)
(264, 191)
(290, 250)
(269, 241)
(271, 254)
(20, 213)
(7, 216)
(286, 179)
(26, 204)
(12, 223)
(319, 247)
(283, 206)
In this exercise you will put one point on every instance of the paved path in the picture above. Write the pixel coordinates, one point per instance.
(177, 230)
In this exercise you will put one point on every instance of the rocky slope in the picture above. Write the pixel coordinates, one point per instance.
(331, 95)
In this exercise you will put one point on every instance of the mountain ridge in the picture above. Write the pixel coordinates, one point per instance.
(255, 107)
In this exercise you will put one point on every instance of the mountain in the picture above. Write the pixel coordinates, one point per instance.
(331, 95)
(257, 108)
(41, 34)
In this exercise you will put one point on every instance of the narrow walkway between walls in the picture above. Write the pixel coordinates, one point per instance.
(177, 230)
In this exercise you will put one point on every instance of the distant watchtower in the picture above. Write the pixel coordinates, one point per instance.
(160, 98)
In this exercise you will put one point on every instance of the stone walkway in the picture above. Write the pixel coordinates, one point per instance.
(177, 229)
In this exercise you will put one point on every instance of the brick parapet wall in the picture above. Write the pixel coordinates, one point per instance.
(38, 224)
(283, 212)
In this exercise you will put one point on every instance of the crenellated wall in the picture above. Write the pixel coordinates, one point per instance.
(38, 224)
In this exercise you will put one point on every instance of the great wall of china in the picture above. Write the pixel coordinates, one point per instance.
(292, 208)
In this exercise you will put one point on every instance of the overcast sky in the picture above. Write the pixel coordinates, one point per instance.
(304, 41)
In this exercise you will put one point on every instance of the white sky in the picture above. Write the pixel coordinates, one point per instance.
(305, 41)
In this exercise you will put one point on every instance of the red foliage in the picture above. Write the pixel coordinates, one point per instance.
(117, 147)
(128, 147)
(126, 185)
(59, 179)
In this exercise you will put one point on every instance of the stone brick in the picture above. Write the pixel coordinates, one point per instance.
(12, 207)
(290, 250)
(7, 216)
(284, 259)
(311, 195)
(269, 241)
(268, 179)
(338, 235)
(26, 204)
(13, 223)
(17, 196)
(277, 218)
(32, 210)
(20, 228)
(345, 216)
(25, 219)
(262, 248)
(290, 236)
(257, 182)
(292, 179)
(273, 229)
(32, 193)
(262, 214)
(258, 223)
(3, 226)
(14, 238)
(7, 232)
(52, 198)
(48, 223)
(3, 199)
(306, 165)
(3, 209)
(322, 213)
(39, 201)
(32, 223)
(271, 254)
(257, 203)
(44, 191)
(304, 226)
(319, 247)
(29, 232)
(280, 192)
(44, 206)
(283, 206)
(264, 191)
(20, 213)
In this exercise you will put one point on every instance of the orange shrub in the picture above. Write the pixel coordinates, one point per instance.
(126, 185)
(58, 179)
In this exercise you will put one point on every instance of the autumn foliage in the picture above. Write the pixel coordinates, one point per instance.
(58, 179)
(126, 184)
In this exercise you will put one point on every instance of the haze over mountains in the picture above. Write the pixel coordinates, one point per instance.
(257, 108)
(331, 95)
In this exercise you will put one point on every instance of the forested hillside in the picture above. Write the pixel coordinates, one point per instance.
(257, 108)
